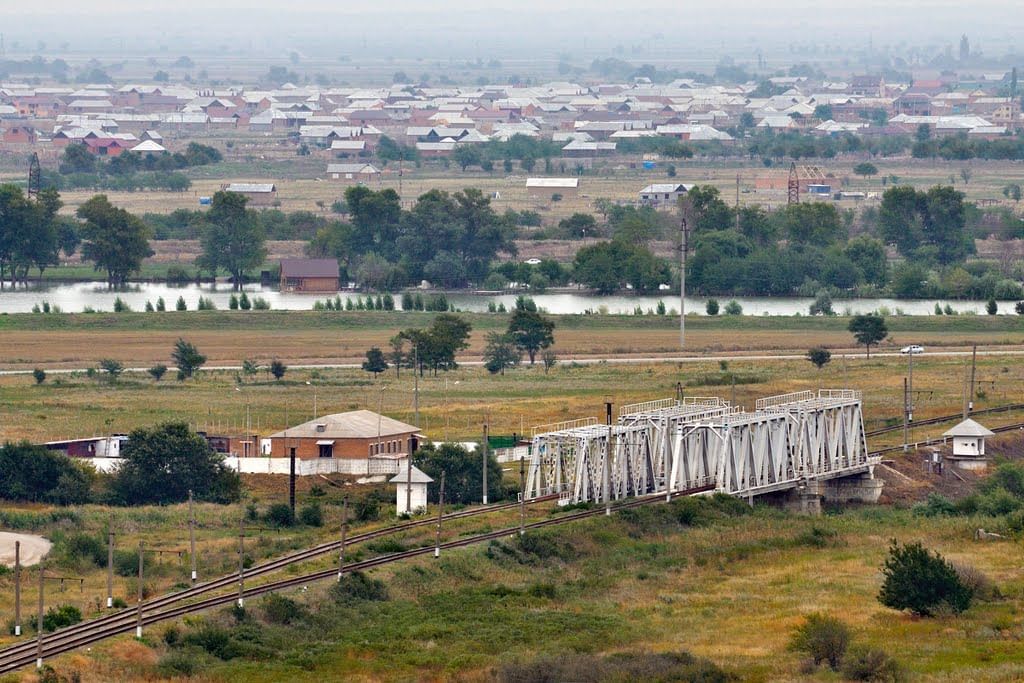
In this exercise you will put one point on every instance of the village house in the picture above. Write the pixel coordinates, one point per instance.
(663, 194)
(355, 435)
(547, 187)
(258, 194)
(309, 275)
(353, 173)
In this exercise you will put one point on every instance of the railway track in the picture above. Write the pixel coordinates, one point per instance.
(927, 442)
(86, 633)
(128, 616)
(944, 418)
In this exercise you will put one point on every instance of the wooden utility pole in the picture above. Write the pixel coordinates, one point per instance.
(522, 495)
(192, 536)
(440, 514)
(241, 561)
(974, 365)
(344, 528)
(39, 618)
(17, 588)
(138, 605)
(110, 564)
(485, 463)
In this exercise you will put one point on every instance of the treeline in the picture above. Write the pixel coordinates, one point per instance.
(447, 239)
(161, 465)
(129, 171)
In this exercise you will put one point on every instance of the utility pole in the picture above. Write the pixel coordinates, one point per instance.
(608, 460)
(291, 480)
(522, 495)
(974, 365)
(485, 462)
(17, 588)
(416, 384)
(241, 561)
(440, 514)
(138, 606)
(737, 202)
(344, 528)
(684, 245)
(110, 564)
(906, 412)
(910, 387)
(192, 536)
(39, 618)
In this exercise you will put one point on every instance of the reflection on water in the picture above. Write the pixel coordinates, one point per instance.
(73, 298)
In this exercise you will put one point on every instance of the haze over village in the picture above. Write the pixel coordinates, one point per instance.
(479, 342)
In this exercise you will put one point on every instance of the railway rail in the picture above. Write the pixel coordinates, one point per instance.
(128, 616)
(945, 418)
(928, 442)
(86, 633)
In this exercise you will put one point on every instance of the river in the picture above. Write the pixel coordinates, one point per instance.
(75, 297)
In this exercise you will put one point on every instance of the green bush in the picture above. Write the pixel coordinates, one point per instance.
(823, 639)
(357, 587)
(311, 514)
(278, 609)
(279, 514)
(61, 616)
(216, 640)
(869, 664)
(179, 663)
(77, 547)
(921, 581)
(674, 667)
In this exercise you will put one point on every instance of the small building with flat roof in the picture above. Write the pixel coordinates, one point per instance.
(355, 435)
(309, 275)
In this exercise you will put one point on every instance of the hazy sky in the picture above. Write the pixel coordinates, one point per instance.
(486, 28)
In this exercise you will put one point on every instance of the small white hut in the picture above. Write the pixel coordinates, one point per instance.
(418, 490)
(969, 444)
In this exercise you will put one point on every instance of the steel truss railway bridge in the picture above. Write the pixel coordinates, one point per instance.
(810, 442)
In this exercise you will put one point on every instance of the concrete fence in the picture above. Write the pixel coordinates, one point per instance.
(305, 468)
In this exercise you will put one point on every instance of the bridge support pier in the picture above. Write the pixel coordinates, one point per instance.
(859, 488)
(805, 499)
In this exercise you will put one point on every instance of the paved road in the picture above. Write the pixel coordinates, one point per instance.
(624, 360)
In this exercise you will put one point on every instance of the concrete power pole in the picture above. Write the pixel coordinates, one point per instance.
(192, 536)
(608, 461)
(344, 528)
(440, 515)
(17, 588)
(484, 449)
(110, 564)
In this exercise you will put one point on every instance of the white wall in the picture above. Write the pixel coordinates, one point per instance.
(418, 499)
(312, 467)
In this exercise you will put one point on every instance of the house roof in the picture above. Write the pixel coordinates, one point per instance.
(352, 168)
(665, 188)
(969, 428)
(251, 187)
(149, 146)
(417, 476)
(553, 182)
(357, 424)
(309, 267)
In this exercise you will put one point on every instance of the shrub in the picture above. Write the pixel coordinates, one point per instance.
(976, 581)
(357, 587)
(243, 302)
(178, 663)
(408, 305)
(83, 547)
(921, 581)
(823, 638)
(711, 307)
(157, 371)
(936, 505)
(279, 514)
(991, 307)
(277, 369)
(869, 664)
(278, 609)
(39, 375)
(214, 639)
(180, 305)
(311, 514)
(733, 308)
(61, 616)
(233, 303)
(161, 305)
(677, 667)
(120, 306)
(260, 304)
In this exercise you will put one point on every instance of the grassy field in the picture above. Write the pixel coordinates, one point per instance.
(726, 585)
(301, 183)
(455, 404)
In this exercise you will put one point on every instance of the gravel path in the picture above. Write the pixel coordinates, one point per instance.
(33, 548)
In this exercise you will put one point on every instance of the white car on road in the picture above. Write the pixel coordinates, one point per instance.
(912, 350)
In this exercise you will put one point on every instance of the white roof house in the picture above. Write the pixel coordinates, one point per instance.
(150, 146)
(968, 439)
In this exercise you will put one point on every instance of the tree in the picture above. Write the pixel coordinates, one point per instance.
(466, 156)
(232, 237)
(35, 474)
(868, 329)
(823, 112)
(549, 358)
(463, 473)
(865, 169)
(277, 369)
(921, 581)
(711, 307)
(112, 367)
(250, 367)
(501, 352)
(375, 361)
(157, 371)
(819, 356)
(578, 225)
(397, 355)
(530, 332)
(823, 638)
(113, 239)
(163, 463)
(991, 307)
(187, 358)
(76, 159)
(39, 375)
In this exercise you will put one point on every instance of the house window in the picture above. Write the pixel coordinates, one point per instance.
(326, 450)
